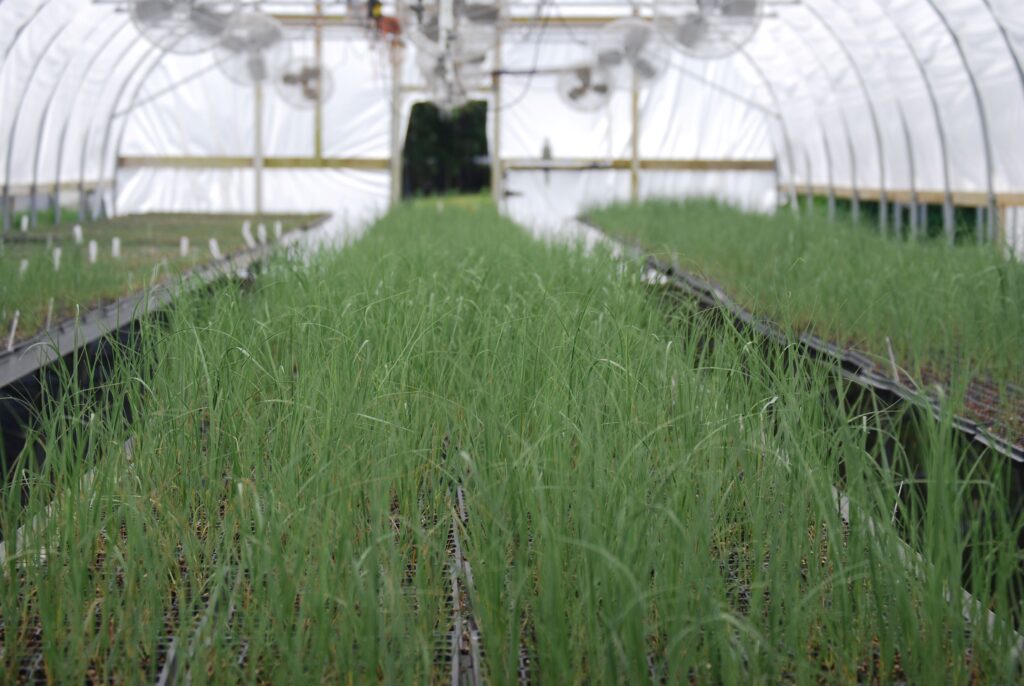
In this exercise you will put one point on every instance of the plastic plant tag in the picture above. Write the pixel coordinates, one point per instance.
(24, 223)
(183, 246)
(261, 233)
(14, 330)
(49, 314)
(115, 247)
(76, 231)
(278, 230)
(247, 235)
(22, 268)
(94, 252)
(56, 259)
(215, 249)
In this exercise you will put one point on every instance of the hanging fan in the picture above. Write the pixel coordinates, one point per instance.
(182, 27)
(253, 49)
(484, 14)
(302, 83)
(709, 29)
(586, 88)
(631, 47)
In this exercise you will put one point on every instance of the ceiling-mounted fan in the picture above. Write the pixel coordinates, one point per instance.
(585, 88)
(182, 26)
(709, 29)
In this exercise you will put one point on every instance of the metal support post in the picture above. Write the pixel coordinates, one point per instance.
(634, 143)
(497, 178)
(257, 160)
(395, 164)
(318, 56)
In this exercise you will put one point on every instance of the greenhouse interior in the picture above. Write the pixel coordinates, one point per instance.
(512, 341)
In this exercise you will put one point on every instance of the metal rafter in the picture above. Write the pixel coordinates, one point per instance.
(872, 111)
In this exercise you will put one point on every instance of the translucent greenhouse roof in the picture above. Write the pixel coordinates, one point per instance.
(898, 101)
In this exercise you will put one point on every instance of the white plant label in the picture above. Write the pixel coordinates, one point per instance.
(56, 259)
(24, 223)
(215, 249)
(278, 230)
(247, 235)
(22, 267)
(115, 247)
(76, 231)
(14, 330)
(49, 314)
(183, 246)
(94, 251)
(261, 233)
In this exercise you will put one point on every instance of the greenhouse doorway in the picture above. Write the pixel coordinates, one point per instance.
(446, 153)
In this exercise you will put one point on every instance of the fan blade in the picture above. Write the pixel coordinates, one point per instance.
(577, 93)
(644, 69)
(610, 58)
(740, 8)
(692, 30)
(257, 67)
(152, 11)
(585, 76)
(481, 14)
(635, 41)
(431, 28)
(207, 21)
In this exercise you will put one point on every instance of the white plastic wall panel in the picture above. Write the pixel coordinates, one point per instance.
(999, 82)
(355, 196)
(1008, 13)
(546, 202)
(78, 80)
(357, 120)
(682, 118)
(86, 114)
(32, 111)
(25, 66)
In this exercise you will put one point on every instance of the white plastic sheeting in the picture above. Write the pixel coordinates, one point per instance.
(919, 95)
(680, 118)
